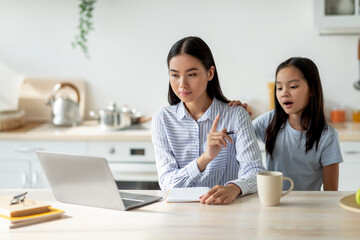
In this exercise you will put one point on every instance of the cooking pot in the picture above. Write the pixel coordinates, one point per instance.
(113, 118)
(65, 111)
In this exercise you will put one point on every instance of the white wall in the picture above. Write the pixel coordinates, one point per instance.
(132, 38)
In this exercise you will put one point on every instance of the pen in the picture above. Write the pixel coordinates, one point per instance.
(232, 132)
(18, 198)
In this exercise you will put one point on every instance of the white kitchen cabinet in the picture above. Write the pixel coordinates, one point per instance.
(19, 166)
(129, 161)
(14, 174)
(337, 16)
(125, 151)
(350, 168)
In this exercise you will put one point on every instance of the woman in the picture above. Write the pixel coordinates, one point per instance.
(189, 149)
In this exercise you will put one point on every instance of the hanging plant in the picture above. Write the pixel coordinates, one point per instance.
(86, 8)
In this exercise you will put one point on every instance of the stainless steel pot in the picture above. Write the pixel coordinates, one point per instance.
(65, 111)
(113, 118)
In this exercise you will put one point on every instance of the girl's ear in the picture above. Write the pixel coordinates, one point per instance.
(211, 73)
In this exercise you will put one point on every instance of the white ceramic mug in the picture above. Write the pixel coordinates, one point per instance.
(270, 186)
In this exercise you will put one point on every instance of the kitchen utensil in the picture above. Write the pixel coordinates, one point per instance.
(34, 91)
(65, 111)
(357, 83)
(11, 119)
(112, 118)
(349, 203)
(137, 117)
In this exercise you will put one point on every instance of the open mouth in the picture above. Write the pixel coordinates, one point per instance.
(288, 103)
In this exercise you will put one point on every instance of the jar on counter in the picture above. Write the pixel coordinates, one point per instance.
(338, 115)
(356, 115)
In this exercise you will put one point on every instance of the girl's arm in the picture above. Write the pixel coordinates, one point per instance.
(331, 177)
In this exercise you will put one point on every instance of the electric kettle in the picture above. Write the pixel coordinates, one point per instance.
(64, 110)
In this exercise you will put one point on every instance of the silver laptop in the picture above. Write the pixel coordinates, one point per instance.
(87, 181)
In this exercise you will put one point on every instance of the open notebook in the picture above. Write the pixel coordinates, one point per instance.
(191, 194)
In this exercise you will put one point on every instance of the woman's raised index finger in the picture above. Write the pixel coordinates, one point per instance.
(214, 125)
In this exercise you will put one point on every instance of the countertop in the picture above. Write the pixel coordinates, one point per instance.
(89, 130)
(348, 131)
(300, 215)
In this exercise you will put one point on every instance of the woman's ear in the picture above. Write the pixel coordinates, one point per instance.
(211, 73)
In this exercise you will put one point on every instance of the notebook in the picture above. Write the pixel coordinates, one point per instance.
(87, 181)
(191, 194)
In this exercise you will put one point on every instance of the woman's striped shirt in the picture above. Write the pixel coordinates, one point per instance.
(179, 141)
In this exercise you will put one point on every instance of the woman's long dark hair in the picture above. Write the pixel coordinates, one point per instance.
(197, 48)
(312, 118)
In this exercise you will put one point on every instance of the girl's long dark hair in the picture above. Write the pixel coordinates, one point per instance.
(312, 118)
(197, 48)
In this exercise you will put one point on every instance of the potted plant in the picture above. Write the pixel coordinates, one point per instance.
(86, 8)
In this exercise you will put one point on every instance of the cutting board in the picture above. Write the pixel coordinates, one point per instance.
(349, 203)
(35, 91)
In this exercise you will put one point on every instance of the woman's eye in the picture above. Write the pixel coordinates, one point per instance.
(175, 75)
(192, 74)
(278, 89)
(294, 87)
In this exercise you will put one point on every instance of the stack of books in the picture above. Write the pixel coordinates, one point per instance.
(26, 212)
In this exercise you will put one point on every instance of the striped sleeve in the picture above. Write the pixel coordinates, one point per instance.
(169, 172)
(248, 155)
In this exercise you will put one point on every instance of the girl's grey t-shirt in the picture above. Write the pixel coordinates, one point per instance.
(289, 157)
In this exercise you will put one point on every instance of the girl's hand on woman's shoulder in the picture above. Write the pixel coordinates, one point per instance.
(239, 103)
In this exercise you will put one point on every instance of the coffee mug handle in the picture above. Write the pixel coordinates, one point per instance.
(291, 186)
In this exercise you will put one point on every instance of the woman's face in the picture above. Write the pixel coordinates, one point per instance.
(292, 90)
(189, 78)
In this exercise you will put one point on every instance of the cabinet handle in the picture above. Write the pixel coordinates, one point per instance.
(351, 152)
(112, 150)
(28, 149)
(24, 180)
(35, 180)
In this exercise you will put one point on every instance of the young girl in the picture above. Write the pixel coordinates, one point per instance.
(189, 149)
(299, 142)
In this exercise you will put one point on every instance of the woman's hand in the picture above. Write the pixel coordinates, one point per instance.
(215, 141)
(239, 103)
(221, 194)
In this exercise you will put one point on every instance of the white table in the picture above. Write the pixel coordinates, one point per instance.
(315, 215)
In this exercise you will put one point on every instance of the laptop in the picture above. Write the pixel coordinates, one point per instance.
(87, 181)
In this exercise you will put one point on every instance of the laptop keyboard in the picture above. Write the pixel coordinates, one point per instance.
(129, 203)
(131, 200)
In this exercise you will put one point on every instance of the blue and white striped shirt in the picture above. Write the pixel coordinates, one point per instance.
(179, 141)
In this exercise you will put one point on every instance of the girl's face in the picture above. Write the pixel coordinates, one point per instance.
(292, 90)
(189, 78)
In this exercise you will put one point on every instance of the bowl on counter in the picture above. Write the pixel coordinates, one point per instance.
(11, 119)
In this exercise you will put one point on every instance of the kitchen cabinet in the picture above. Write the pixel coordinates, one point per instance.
(132, 163)
(19, 166)
(339, 17)
(350, 168)
(14, 174)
